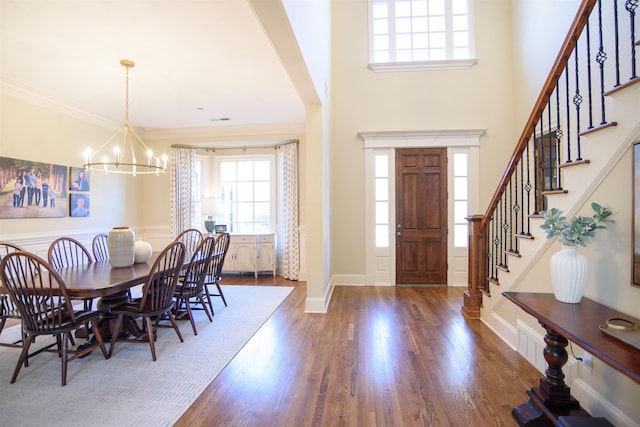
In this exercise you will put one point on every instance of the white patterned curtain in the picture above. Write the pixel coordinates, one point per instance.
(183, 212)
(288, 243)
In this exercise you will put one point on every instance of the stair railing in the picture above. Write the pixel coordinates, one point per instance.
(570, 105)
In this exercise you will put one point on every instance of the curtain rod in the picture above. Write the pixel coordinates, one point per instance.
(244, 147)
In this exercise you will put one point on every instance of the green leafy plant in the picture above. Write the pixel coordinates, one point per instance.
(579, 230)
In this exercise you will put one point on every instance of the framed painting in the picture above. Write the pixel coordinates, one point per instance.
(221, 228)
(31, 189)
(78, 179)
(636, 214)
(79, 205)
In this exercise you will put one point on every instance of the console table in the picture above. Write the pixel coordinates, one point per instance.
(580, 324)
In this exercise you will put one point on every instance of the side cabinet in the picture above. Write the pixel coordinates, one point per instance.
(251, 253)
(266, 253)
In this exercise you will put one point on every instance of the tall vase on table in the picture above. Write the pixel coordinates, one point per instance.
(121, 247)
(569, 273)
(569, 268)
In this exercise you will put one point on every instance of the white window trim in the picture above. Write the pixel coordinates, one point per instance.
(446, 64)
(273, 177)
(380, 263)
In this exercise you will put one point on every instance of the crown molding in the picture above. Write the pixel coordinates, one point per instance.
(275, 131)
(21, 93)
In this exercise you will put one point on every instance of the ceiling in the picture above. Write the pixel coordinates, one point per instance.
(196, 61)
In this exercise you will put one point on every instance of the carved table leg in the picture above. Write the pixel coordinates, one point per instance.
(553, 398)
(108, 321)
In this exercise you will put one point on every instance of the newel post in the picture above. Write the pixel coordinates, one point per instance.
(477, 274)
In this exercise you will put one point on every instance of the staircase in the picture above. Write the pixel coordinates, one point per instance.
(582, 124)
(576, 148)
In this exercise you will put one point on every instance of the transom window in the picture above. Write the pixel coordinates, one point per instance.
(419, 30)
(245, 200)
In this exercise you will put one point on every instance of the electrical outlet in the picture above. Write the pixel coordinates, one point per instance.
(587, 361)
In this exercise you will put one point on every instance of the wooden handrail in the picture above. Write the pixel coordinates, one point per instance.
(558, 68)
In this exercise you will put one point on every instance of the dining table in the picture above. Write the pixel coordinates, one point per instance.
(111, 285)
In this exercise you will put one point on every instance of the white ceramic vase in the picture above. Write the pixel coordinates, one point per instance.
(142, 251)
(120, 245)
(569, 272)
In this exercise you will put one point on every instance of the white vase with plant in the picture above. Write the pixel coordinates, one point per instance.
(569, 268)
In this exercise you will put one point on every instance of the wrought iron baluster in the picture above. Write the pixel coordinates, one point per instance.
(616, 44)
(577, 100)
(589, 88)
(601, 57)
(631, 6)
(568, 112)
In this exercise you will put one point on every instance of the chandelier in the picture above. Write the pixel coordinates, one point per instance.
(126, 154)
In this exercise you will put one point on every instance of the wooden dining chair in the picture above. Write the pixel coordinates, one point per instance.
(45, 308)
(66, 252)
(214, 272)
(99, 247)
(156, 300)
(8, 309)
(191, 237)
(190, 288)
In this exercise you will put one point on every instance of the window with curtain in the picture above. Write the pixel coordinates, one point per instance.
(245, 193)
(419, 31)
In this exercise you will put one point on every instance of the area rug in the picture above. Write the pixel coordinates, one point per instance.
(130, 388)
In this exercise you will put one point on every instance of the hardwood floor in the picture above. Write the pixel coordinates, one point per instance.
(381, 356)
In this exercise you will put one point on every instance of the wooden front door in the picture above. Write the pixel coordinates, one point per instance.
(421, 216)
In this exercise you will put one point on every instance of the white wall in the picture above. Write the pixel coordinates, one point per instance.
(364, 101)
(31, 132)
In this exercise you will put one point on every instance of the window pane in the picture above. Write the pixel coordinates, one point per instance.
(436, 7)
(382, 56)
(403, 41)
(460, 23)
(438, 54)
(419, 8)
(437, 23)
(382, 189)
(438, 40)
(460, 164)
(245, 212)
(261, 212)
(380, 10)
(460, 188)
(404, 56)
(262, 170)
(403, 25)
(420, 40)
(421, 55)
(382, 212)
(262, 191)
(459, 211)
(461, 53)
(459, 6)
(382, 166)
(382, 236)
(420, 24)
(245, 171)
(227, 191)
(460, 237)
(460, 39)
(228, 171)
(245, 191)
(382, 42)
(403, 8)
(380, 26)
